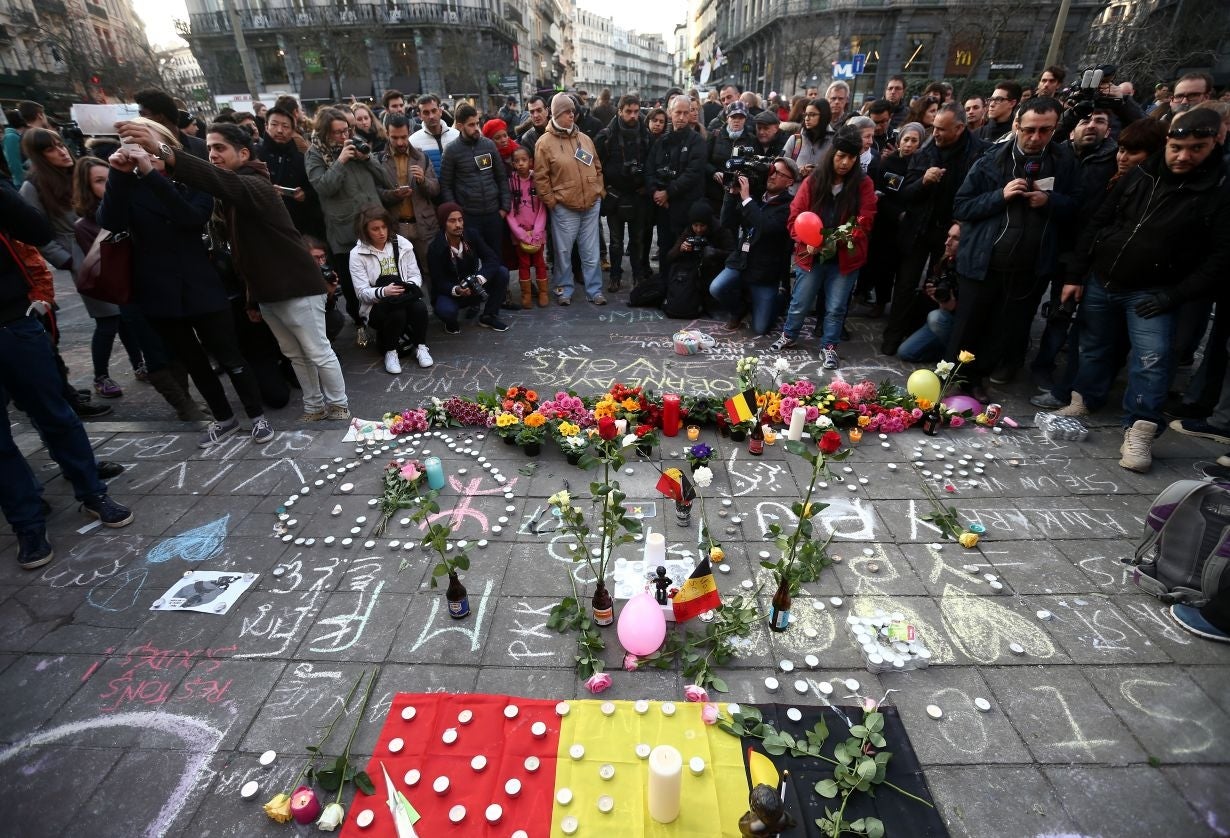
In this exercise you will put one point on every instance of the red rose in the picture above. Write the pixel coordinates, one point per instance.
(841, 405)
(830, 442)
(606, 428)
(641, 430)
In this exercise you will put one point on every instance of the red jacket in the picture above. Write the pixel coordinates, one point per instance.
(848, 260)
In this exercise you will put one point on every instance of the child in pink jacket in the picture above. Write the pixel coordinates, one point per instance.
(528, 223)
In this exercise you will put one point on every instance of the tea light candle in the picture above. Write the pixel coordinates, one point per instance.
(770, 435)
(607, 771)
(457, 814)
(267, 758)
(539, 729)
(364, 819)
(693, 432)
(856, 436)
(513, 787)
(478, 763)
(440, 785)
(531, 764)
(249, 790)
(412, 777)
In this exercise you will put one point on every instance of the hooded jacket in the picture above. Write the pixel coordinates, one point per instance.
(268, 252)
(473, 175)
(365, 271)
(560, 176)
(527, 222)
(344, 190)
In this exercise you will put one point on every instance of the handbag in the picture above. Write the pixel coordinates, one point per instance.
(106, 271)
(413, 293)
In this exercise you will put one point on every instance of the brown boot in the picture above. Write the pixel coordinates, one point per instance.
(542, 294)
(527, 294)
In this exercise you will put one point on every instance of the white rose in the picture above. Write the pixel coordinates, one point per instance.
(331, 818)
(781, 365)
(824, 423)
(703, 477)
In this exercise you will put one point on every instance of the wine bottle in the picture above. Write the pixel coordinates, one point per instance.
(458, 601)
(603, 606)
(755, 440)
(779, 610)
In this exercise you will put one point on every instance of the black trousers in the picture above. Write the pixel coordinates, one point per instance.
(192, 340)
(392, 321)
(631, 216)
(341, 266)
(993, 318)
(907, 314)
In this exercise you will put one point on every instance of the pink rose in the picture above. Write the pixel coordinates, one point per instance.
(813, 413)
(709, 713)
(955, 421)
(788, 404)
(787, 390)
(631, 662)
(870, 705)
(598, 683)
(410, 472)
(692, 692)
(803, 389)
(916, 413)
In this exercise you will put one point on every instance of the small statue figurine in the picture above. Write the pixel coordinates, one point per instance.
(767, 815)
(661, 582)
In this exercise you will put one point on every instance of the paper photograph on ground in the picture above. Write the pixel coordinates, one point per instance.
(207, 591)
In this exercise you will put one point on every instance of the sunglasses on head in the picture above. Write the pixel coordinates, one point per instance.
(1203, 133)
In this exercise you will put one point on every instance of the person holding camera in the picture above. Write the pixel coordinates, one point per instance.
(761, 259)
(887, 173)
(676, 177)
(695, 260)
(465, 274)
(389, 287)
(347, 178)
(623, 148)
(724, 143)
(413, 188)
(473, 175)
(335, 318)
(930, 341)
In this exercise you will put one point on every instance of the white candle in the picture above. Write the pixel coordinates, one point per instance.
(798, 417)
(665, 783)
(621, 425)
(655, 550)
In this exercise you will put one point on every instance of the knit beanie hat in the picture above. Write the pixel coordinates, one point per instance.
(493, 127)
(849, 140)
(445, 210)
(700, 213)
(561, 102)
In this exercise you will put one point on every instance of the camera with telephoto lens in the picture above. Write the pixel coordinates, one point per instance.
(360, 145)
(633, 168)
(1083, 94)
(665, 174)
(474, 282)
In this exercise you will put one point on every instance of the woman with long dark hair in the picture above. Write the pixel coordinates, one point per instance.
(888, 176)
(838, 191)
(923, 112)
(807, 147)
(49, 188)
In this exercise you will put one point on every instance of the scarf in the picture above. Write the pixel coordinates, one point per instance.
(327, 152)
(567, 132)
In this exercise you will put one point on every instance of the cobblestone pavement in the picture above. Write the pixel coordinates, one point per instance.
(120, 721)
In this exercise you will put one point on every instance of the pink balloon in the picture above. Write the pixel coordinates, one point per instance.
(961, 402)
(642, 625)
(809, 229)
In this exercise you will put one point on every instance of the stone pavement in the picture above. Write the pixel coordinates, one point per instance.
(120, 721)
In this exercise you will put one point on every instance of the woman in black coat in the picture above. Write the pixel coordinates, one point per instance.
(888, 174)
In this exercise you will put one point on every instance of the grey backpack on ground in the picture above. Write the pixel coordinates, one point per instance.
(1185, 553)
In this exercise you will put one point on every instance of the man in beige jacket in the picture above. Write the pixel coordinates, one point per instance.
(568, 178)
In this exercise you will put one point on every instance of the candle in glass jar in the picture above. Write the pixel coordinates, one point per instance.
(665, 783)
(435, 472)
(670, 414)
(856, 436)
(798, 417)
(770, 435)
(693, 432)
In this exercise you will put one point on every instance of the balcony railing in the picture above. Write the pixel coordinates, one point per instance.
(364, 14)
(96, 9)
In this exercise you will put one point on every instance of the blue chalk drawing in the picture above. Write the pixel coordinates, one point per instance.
(196, 545)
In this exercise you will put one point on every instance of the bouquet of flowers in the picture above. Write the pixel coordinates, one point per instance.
(406, 422)
(507, 425)
(519, 400)
(843, 235)
(571, 441)
(464, 412)
(567, 406)
(401, 488)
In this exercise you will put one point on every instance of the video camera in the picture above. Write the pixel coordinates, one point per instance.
(1083, 95)
(474, 283)
(745, 161)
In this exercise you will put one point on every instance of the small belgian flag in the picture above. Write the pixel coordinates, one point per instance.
(675, 485)
(741, 407)
(697, 595)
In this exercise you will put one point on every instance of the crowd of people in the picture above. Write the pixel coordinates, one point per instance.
(244, 247)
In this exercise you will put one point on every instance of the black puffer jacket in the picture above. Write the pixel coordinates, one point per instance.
(683, 152)
(1159, 231)
(473, 175)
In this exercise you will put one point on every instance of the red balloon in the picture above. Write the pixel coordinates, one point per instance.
(809, 229)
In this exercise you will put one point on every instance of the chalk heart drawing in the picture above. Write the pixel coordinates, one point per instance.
(201, 739)
(195, 545)
(983, 628)
(941, 651)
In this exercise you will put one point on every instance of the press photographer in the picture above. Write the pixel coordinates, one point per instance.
(465, 274)
(623, 148)
(695, 260)
(940, 289)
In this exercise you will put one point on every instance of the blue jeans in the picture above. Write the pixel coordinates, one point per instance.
(929, 342)
(1103, 316)
(823, 278)
(30, 379)
(570, 227)
(767, 301)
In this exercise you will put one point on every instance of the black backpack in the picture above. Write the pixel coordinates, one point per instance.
(648, 292)
(684, 294)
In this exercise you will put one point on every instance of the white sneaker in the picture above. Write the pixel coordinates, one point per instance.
(1076, 407)
(1136, 452)
(423, 356)
(391, 364)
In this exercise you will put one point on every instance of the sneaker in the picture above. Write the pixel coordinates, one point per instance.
(215, 432)
(828, 357)
(313, 416)
(422, 356)
(1202, 429)
(262, 431)
(106, 388)
(110, 513)
(451, 327)
(490, 321)
(141, 373)
(91, 411)
(107, 469)
(360, 336)
(392, 364)
(1191, 620)
(1046, 401)
(598, 300)
(1043, 379)
(1076, 407)
(1136, 452)
(783, 342)
(338, 411)
(33, 549)
(565, 301)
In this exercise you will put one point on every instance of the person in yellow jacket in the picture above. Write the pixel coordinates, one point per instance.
(568, 179)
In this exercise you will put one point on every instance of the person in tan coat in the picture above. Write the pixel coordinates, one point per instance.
(568, 179)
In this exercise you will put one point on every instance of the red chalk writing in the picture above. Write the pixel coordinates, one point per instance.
(150, 676)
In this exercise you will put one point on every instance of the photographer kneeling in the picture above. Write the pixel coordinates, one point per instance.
(930, 340)
(389, 288)
(464, 274)
(695, 260)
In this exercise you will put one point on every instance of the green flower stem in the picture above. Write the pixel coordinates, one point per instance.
(798, 530)
(328, 732)
(358, 721)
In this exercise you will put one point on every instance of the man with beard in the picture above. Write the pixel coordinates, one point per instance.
(623, 148)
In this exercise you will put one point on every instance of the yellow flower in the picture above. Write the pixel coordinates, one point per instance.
(560, 499)
(606, 407)
(568, 429)
(716, 554)
(535, 420)
(864, 421)
(968, 539)
(965, 357)
(279, 808)
(506, 419)
(630, 404)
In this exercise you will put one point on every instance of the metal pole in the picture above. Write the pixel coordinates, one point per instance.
(249, 75)
(1052, 54)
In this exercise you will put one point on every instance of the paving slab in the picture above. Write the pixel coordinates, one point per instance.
(1013, 802)
(1157, 807)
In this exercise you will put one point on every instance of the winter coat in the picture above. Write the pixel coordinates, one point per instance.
(445, 271)
(718, 149)
(762, 255)
(20, 222)
(848, 261)
(1155, 230)
(473, 175)
(432, 146)
(803, 151)
(528, 218)
(983, 212)
(560, 177)
(422, 198)
(683, 152)
(1096, 167)
(267, 249)
(928, 206)
(172, 276)
(365, 271)
(345, 189)
(58, 251)
(287, 167)
(12, 155)
(617, 145)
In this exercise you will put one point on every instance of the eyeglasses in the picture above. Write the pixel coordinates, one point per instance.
(998, 99)
(1187, 97)
(1203, 133)
(339, 132)
(780, 173)
(1045, 129)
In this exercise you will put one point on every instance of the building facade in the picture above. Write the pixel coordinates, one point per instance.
(63, 51)
(620, 59)
(787, 45)
(182, 77)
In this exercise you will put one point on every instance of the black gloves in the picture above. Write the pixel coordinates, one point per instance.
(1156, 304)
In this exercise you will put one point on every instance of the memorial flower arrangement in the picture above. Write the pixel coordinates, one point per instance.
(533, 429)
(507, 425)
(401, 489)
(567, 406)
(519, 400)
(698, 455)
(570, 438)
(410, 421)
(463, 412)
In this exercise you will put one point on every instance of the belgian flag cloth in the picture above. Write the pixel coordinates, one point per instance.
(675, 485)
(698, 594)
(741, 407)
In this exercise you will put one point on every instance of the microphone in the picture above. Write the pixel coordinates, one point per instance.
(1032, 169)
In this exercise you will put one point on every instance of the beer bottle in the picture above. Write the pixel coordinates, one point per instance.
(779, 611)
(603, 606)
(458, 602)
(755, 440)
